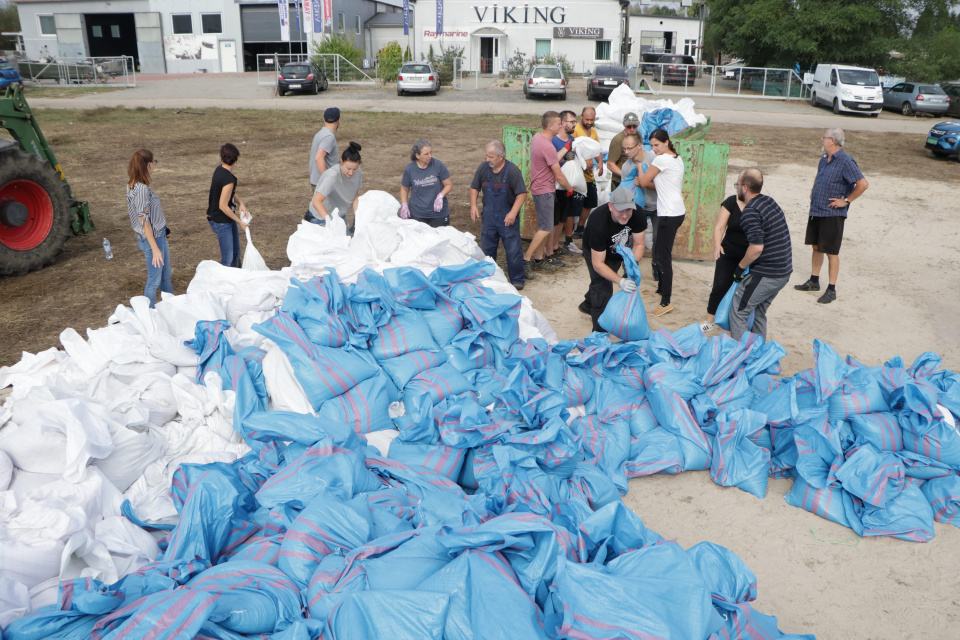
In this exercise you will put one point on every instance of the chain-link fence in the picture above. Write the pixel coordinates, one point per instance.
(721, 81)
(336, 68)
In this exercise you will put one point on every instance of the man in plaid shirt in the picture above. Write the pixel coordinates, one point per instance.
(839, 182)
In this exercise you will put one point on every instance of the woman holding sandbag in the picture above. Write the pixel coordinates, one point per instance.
(338, 188)
(729, 246)
(225, 208)
(666, 176)
(149, 223)
(424, 186)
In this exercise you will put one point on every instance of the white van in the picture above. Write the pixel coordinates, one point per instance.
(847, 89)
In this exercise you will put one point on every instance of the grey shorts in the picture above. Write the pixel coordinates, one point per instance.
(544, 203)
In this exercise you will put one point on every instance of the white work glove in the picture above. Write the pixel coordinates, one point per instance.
(404, 211)
(438, 203)
(628, 285)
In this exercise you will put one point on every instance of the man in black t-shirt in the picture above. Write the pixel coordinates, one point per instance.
(617, 223)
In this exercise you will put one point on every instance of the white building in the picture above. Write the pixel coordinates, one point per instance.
(587, 32)
(664, 34)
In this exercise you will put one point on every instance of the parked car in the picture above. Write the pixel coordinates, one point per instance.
(418, 77)
(649, 62)
(847, 89)
(912, 97)
(605, 79)
(732, 69)
(9, 75)
(944, 139)
(952, 89)
(677, 69)
(300, 76)
(545, 80)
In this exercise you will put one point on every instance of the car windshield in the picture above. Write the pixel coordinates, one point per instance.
(924, 88)
(616, 72)
(415, 68)
(295, 68)
(547, 72)
(863, 77)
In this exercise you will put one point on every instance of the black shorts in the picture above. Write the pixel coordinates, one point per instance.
(561, 207)
(590, 201)
(825, 234)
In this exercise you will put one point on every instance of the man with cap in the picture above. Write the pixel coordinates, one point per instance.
(617, 223)
(616, 156)
(323, 152)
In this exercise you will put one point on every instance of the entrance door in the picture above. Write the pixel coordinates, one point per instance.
(228, 56)
(111, 34)
(486, 54)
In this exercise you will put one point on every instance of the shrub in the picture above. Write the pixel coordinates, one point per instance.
(342, 45)
(389, 60)
(556, 60)
(444, 62)
(518, 64)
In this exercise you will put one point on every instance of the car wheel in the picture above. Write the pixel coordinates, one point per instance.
(813, 100)
(316, 89)
(563, 96)
(325, 84)
(875, 115)
(281, 92)
(906, 109)
(836, 106)
(399, 91)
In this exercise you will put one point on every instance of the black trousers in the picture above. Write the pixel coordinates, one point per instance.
(663, 254)
(599, 292)
(722, 279)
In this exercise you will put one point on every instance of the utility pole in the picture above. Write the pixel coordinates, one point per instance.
(625, 30)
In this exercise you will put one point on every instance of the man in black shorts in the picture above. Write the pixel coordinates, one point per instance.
(839, 182)
(617, 223)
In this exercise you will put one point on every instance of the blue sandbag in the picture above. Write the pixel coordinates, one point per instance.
(943, 494)
(253, 597)
(438, 458)
(365, 406)
(413, 288)
(496, 315)
(940, 441)
(873, 476)
(403, 368)
(469, 350)
(625, 316)
(405, 332)
(657, 451)
(317, 305)
(445, 321)
(882, 430)
(167, 615)
(394, 614)
(859, 394)
(439, 383)
(908, 516)
(323, 372)
(737, 460)
(210, 345)
(834, 504)
(722, 317)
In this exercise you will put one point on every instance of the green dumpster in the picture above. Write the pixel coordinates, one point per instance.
(704, 184)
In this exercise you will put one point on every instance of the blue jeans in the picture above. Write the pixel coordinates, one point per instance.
(157, 277)
(228, 235)
(493, 231)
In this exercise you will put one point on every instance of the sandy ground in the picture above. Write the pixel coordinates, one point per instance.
(897, 294)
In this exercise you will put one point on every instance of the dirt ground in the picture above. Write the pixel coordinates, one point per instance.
(899, 292)
(94, 147)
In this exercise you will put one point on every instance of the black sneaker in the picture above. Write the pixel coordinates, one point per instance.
(827, 297)
(809, 285)
(528, 270)
(584, 307)
(545, 265)
(517, 285)
(563, 251)
(555, 261)
(578, 233)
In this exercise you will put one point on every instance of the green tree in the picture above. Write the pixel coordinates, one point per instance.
(780, 33)
(9, 21)
(389, 61)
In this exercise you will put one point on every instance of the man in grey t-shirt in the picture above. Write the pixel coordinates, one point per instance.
(323, 152)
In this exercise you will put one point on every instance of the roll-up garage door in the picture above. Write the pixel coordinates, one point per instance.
(261, 23)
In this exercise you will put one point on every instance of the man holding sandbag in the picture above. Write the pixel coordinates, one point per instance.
(769, 256)
(617, 223)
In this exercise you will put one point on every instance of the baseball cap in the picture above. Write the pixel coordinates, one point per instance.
(332, 114)
(622, 198)
(631, 119)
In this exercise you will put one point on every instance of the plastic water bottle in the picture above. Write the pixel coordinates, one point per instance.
(107, 249)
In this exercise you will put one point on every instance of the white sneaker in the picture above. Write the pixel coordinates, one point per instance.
(706, 326)
(575, 249)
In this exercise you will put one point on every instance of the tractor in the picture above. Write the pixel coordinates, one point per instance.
(37, 207)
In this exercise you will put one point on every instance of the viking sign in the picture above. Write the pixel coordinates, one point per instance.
(590, 33)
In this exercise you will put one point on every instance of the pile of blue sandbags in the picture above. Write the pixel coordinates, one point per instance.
(495, 509)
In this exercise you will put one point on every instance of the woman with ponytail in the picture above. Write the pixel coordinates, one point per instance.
(148, 222)
(338, 188)
(666, 176)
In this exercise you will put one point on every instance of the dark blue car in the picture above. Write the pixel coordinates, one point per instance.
(944, 139)
(9, 74)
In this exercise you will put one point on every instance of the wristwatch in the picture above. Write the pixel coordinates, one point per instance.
(846, 199)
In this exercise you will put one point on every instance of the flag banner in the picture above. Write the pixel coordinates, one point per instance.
(308, 9)
(284, 20)
(439, 16)
(327, 16)
(406, 17)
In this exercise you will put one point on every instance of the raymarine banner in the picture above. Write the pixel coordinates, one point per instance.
(284, 20)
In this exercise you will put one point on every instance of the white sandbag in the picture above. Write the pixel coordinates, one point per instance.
(574, 176)
(256, 294)
(103, 347)
(60, 437)
(44, 594)
(27, 481)
(381, 439)
(130, 547)
(586, 149)
(140, 318)
(84, 557)
(463, 242)
(29, 564)
(374, 206)
(14, 599)
(376, 240)
(33, 368)
(132, 453)
(6, 471)
(181, 313)
(252, 260)
(313, 244)
(285, 391)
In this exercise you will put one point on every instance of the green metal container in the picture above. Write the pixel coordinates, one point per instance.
(704, 184)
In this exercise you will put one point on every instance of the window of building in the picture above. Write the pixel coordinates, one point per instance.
(358, 25)
(689, 47)
(182, 24)
(47, 26)
(210, 23)
(97, 31)
(342, 21)
(114, 31)
(602, 50)
(542, 48)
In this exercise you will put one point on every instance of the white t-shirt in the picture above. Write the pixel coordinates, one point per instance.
(669, 184)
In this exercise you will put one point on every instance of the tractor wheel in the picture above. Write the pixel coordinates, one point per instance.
(35, 213)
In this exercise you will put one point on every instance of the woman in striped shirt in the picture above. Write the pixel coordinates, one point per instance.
(147, 221)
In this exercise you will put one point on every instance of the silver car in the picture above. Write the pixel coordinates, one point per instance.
(912, 97)
(418, 77)
(545, 80)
